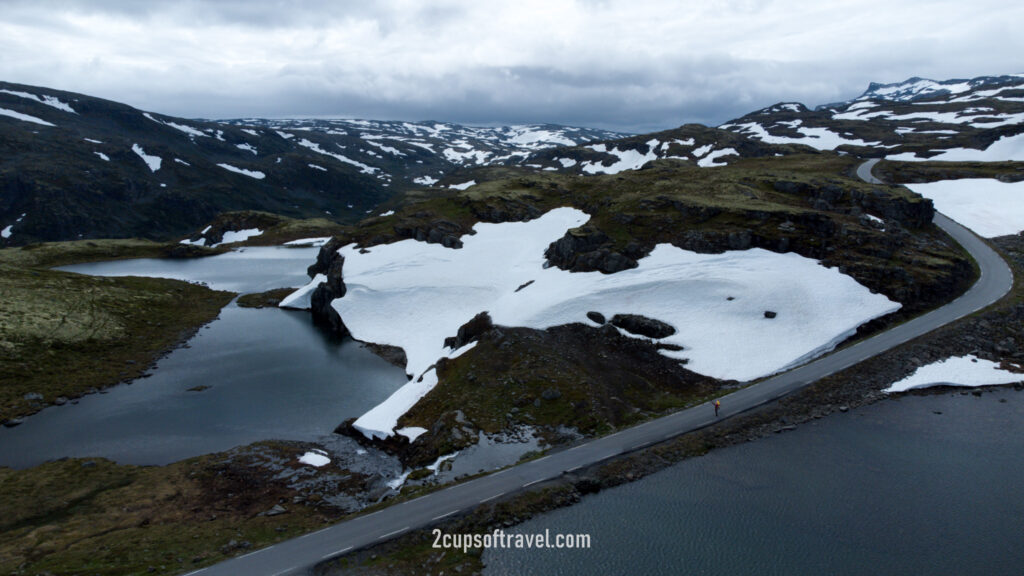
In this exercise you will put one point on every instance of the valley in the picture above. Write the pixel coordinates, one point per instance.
(577, 293)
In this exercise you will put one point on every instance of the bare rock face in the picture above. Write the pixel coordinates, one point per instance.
(331, 263)
(642, 325)
(588, 249)
(439, 231)
(470, 331)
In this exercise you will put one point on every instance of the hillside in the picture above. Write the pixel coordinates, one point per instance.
(74, 166)
(977, 119)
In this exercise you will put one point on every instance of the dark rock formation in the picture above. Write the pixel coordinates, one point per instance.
(770, 314)
(470, 331)
(587, 249)
(330, 263)
(596, 317)
(437, 231)
(642, 325)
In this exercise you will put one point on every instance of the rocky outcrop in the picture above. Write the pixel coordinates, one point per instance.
(908, 212)
(642, 325)
(330, 263)
(438, 231)
(587, 249)
(470, 331)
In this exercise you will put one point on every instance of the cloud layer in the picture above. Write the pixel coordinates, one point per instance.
(628, 65)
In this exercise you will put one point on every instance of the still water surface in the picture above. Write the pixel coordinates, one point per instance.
(892, 488)
(270, 373)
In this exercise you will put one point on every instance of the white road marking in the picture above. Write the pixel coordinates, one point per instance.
(342, 551)
(574, 468)
(577, 446)
(532, 482)
(251, 553)
(542, 459)
(312, 533)
(445, 515)
(392, 533)
(492, 497)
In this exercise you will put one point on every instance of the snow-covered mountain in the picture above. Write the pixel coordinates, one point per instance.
(425, 153)
(74, 166)
(703, 146)
(978, 119)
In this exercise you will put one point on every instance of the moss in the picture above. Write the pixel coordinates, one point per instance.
(268, 299)
(78, 516)
(917, 172)
(64, 334)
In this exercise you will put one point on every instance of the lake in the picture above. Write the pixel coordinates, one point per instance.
(271, 375)
(892, 488)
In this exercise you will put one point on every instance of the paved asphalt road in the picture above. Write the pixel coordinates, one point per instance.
(298, 555)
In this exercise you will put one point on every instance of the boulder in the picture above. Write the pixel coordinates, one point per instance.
(470, 331)
(588, 249)
(642, 325)
(596, 317)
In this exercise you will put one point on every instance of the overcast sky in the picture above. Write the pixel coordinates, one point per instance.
(631, 65)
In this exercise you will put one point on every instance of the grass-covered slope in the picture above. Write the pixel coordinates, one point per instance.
(63, 335)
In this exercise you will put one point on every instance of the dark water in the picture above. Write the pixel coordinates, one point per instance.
(271, 374)
(892, 488)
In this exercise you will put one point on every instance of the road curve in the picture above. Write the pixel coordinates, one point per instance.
(298, 555)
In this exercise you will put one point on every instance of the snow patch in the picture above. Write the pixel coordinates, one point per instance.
(988, 207)
(315, 457)
(411, 432)
(967, 371)
(425, 180)
(250, 173)
(239, 236)
(102, 156)
(314, 242)
(1007, 148)
(247, 147)
(819, 138)
(462, 186)
(300, 299)
(388, 213)
(24, 117)
(710, 160)
(315, 167)
(152, 161)
(412, 295)
(341, 158)
(51, 101)
(628, 159)
(180, 127)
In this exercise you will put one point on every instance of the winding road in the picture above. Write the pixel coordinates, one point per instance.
(300, 554)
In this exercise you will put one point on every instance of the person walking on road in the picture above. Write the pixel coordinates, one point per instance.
(717, 406)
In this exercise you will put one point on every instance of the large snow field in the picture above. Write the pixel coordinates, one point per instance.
(989, 207)
(1006, 148)
(968, 371)
(412, 295)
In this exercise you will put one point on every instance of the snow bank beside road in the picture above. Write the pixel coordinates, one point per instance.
(968, 371)
(988, 207)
